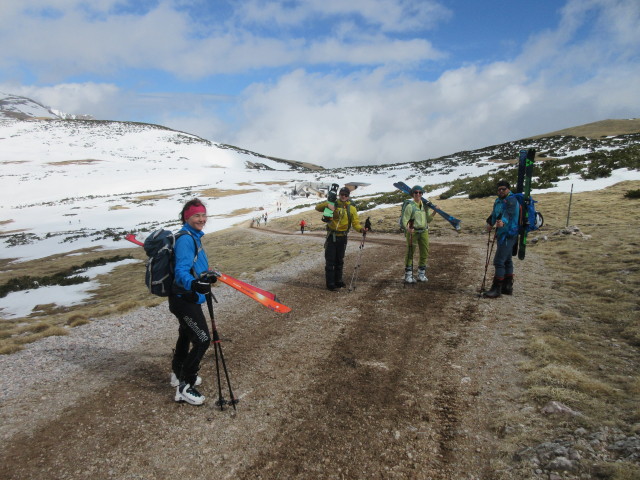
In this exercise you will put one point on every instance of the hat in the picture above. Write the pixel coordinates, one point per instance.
(417, 188)
(503, 183)
(345, 191)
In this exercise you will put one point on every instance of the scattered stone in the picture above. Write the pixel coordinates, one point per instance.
(572, 230)
(554, 407)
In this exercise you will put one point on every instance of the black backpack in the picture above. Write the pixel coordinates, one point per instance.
(159, 274)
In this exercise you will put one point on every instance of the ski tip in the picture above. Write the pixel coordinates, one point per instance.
(281, 308)
(132, 238)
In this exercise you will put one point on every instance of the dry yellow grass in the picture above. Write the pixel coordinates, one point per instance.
(599, 129)
(237, 212)
(123, 288)
(155, 196)
(219, 193)
(87, 161)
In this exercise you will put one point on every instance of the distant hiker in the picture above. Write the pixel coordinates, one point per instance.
(505, 216)
(302, 225)
(266, 216)
(190, 262)
(345, 216)
(415, 222)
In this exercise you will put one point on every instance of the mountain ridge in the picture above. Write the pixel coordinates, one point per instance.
(23, 108)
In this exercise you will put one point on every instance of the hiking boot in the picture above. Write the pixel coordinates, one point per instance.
(187, 393)
(507, 285)
(330, 278)
(422, 274)
(340, 284)
(175, 382)
(496, 288)
(408, 275)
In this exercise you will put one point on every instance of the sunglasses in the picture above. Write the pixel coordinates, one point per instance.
(418, 193)
(502, 189)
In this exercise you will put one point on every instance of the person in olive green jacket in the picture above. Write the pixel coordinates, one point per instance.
(415, 220)
(345, 216)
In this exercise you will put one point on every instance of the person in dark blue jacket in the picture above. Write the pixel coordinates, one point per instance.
(505, 216)
(186, 303)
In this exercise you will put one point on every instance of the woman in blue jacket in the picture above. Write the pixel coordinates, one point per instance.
(186, 301)
(505, 216)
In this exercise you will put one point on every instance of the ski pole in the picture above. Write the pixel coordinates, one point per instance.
(488, 259)
(218, 351)
(354, 275)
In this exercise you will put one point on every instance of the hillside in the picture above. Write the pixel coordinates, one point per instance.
(603, 128)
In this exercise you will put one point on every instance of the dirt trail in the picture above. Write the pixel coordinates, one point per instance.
(386, 381)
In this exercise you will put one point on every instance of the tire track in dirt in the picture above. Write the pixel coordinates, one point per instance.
(367, 414)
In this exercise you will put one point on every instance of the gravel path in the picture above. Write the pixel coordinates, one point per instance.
(386, 381)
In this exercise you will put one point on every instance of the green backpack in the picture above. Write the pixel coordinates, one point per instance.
(404, 205)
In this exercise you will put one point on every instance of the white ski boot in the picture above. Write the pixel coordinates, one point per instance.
(187, 393)
(422, 274)
(408, 275)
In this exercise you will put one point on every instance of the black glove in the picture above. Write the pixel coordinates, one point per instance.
(208, 277)
(367, 224)
(200, 286)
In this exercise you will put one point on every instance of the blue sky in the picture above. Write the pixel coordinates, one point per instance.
(331, 82)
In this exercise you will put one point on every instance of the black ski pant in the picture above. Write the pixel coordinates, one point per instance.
(193, 332)
(334, 250)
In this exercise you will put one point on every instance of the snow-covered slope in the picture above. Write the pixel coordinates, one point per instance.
(70, 184)
(76, 180)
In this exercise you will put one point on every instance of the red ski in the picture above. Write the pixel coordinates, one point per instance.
(132, 238)
(253, 292)
(261, 296)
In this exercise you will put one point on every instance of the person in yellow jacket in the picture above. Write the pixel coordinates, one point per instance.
(345, 216)
(415, 220)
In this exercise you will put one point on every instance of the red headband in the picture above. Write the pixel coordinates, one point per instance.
(192, 210)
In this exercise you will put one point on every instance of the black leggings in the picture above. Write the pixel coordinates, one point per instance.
(193, 330)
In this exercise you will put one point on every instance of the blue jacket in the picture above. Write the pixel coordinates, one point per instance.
(507, 210)
(185, 251)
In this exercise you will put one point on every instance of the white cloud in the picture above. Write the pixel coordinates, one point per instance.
(568, 76)
(373, 51)
(387, 15)
(337, 121)
(73, 40)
